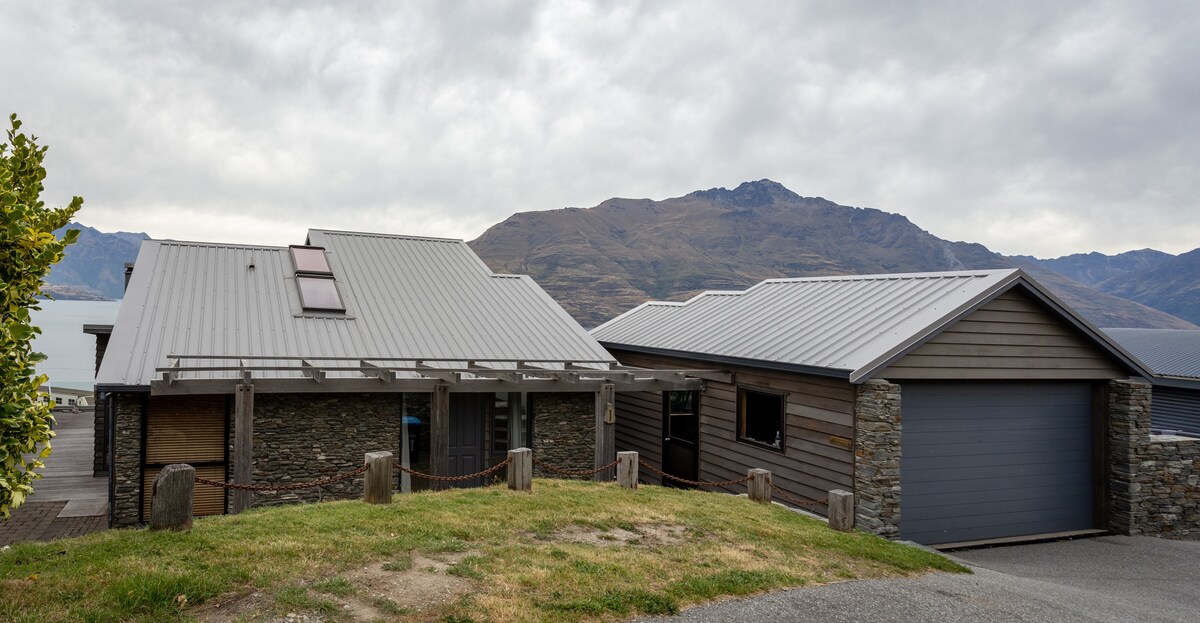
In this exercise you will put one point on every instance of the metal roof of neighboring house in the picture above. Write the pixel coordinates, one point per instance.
(405, 297)
(848, 326)
(1171, 353)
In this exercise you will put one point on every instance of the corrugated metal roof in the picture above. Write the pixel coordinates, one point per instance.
(845, 326)
(405, 297)
(1167, 352)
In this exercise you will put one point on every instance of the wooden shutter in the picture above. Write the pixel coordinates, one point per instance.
(187, 429)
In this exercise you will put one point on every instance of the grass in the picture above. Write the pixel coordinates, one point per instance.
(503, 542)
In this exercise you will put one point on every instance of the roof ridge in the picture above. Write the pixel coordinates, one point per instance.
(368, 234)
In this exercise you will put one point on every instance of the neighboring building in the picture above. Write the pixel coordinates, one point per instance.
(63, 397)
(957, 407)
(285, 364)
(1173, 356)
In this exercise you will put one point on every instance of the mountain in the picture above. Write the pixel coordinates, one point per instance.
(95, 264)
(1172, 285)
(601, 261)
(1092, 268)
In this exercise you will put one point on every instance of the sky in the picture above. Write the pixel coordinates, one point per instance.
(1042, 128)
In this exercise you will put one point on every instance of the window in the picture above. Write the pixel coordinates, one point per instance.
(682, 412)
(310, 260)
(761, 418)
(57, 401)
(319, 293)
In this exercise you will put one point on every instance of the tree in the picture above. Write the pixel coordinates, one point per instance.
(28, 248)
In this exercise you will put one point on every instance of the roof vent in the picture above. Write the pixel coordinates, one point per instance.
(314, 279)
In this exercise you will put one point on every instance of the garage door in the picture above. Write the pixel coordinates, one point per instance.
(987, 461)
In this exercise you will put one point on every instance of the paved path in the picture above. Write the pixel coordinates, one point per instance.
(67, 500)
(1100, 580)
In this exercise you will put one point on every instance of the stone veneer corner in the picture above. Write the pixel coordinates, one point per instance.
(877, 458)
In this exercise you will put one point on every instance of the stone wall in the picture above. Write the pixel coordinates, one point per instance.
(877, 458)
(303, 437)
(127, 458)
(1154, 486)
(100, 438)
(564, 430)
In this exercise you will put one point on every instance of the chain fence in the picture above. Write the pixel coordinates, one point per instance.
(694, 483)
(571, 472)
(796, 501)
(312, 484)
(487, 472)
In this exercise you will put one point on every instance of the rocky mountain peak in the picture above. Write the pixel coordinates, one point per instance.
(749, 194)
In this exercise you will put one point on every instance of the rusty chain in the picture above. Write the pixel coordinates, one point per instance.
(487, 472)
(796, 501)
(279, 488)
(571, 472)
(694, 483)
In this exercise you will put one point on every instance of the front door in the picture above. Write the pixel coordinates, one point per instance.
(468, 413)
(681, 435)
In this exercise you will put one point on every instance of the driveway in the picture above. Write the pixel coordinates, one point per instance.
(1105, 579)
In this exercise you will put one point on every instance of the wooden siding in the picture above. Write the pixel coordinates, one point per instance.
(639, 429)
(186, 429)
(820, 427)
(1013, 337)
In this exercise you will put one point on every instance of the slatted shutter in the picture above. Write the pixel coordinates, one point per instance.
(187, 429)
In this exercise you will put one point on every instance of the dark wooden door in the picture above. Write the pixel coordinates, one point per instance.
(468, 414)
(681, 435)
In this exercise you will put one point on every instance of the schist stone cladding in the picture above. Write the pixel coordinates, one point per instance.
(877, 458)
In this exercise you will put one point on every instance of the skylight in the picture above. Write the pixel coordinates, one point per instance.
(310, 260)
(314, 279)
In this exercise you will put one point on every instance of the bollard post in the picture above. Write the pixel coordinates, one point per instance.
(520, 469)
(377, 486)
(171, 498)
(627, 469)
(760, 485)
(841, 510)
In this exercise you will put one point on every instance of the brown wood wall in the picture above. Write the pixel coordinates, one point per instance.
(1010, 338)
(820, 427)
(186, 429)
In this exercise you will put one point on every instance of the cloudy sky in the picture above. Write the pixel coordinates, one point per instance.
(1033, 127)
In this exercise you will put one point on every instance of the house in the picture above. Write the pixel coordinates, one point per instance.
(276, 365)
(956, 406)
(63, 397)
(1173, 356)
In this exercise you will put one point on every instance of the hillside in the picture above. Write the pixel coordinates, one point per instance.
(601, 261)
(1093, 268)
(1172, 285)
(95, 264)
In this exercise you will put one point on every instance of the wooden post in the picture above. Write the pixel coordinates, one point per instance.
(520, 469)
(627, 469)
(243, 445)
(377, 487)
(172, 493)
(605, 431)
(841, 510)
(760, 485)
(439, 435)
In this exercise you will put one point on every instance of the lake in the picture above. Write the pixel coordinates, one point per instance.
(71, 353)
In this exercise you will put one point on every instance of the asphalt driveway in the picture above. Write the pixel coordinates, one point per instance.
(1105, 579)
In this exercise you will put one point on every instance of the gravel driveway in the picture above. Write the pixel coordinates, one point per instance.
(1104, 579)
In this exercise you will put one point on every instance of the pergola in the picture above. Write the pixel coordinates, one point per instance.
(246, 375)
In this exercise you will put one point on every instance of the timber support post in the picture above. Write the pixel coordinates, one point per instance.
(243, 445)
(172, 493)
(520, 469)
(439, 435)
(760, 485)
(606, 425)
(627, 470)
(841, 510)
(377, 486)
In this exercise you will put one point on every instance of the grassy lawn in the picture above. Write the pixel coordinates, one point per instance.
(570, 551)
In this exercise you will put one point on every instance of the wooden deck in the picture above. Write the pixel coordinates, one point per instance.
(67, 500)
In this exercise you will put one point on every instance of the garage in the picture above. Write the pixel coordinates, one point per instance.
(983, 461)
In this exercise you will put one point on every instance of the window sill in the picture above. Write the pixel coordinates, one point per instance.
(764, 446)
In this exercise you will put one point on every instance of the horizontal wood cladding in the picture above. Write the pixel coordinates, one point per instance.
(820, 427)
(639, 429)
(185, 429)
(1011, 337)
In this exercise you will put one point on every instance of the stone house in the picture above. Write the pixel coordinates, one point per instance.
(958, 407)
(276, 365)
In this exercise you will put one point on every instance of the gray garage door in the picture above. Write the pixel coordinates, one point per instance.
(992, 460)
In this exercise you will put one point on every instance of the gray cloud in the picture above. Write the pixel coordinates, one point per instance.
(1044, 128)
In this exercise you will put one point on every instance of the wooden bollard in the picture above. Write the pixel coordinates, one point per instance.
(171, 498)
(520, 469)
(627, 469)
(841, 510)
(760, 485)
(377, 487)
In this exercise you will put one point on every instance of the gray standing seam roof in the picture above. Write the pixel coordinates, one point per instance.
(405, 297)
(1167, 352)
(848, 326)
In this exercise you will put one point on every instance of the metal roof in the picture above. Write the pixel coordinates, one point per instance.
(405, 297)
(849, 327)
(1167, 352)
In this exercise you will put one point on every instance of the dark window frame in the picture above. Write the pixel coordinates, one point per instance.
(296, 263)
(740, 423)
(320, 308)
